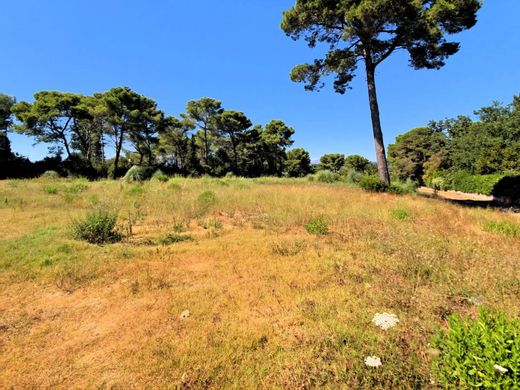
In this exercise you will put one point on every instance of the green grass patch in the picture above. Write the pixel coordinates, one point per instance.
(508, 229)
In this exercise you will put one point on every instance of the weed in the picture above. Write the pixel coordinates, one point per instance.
(173, 238)
(97, 227)
(317, 225)
(50, 189)
(136, 190)
(401, 215)
(288, 247)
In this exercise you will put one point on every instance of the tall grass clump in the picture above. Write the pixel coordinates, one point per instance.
(508, 229)
(160, 176)
(480, 353)
(98, 227)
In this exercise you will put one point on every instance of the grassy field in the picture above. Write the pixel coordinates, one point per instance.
(270, 304)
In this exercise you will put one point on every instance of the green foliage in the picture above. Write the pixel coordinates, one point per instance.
(477, 184)
(470, 349)
(359, 164)
(352, 176)
(50, 189)
(51, 175)
(399, 188)
(317, 225)
(327, 176)
(136, 190)
(373, 184)
(76, 187)
(298, 163)
(173, 238)
(98, 227)
(332, 162)
(138, 174)
(205, 200)
(438, 183)
(401, 215)
(159, 176)
(507, 229)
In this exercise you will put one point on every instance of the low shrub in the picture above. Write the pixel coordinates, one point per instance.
(160, 176)
(205, 200)
(480, 353)
(351, 176)
(50, 175)
(327, 176)
(439, 183)
(98, 227)
(317, 225)
(173, 238)
(52, 190)
(373, 184)
(475, 184)
(137, 174)
(136, 190)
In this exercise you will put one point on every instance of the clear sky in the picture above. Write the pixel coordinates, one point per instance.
(234, 50)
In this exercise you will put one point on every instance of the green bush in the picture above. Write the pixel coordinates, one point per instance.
(50, 175)
(327, 176)
(137, 174)
(470, 350)
(401, 214)
(136, 190)
(476, 184)
(160, 176)
(317, 225)
(438, 183)
(205, 200)
(373, 184)
(98, 227)
(351, 176)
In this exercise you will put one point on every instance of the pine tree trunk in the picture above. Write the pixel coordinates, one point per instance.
(382, 165)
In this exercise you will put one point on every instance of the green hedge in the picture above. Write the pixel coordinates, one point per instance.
(495, 184)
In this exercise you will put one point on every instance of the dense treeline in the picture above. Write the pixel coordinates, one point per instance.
(462, 153)
(205, 140)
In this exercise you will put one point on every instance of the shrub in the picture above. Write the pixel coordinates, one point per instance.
(50, 175)
(373, 184)
(98, 227)
(508, 229)
(508, 186)
(173, 238)
(438, 183)
(137, 174)
(317, 225)
(205, 200)
(350, 175)
(159, 176)
(326, 176)
(52, 190)
(470, 351)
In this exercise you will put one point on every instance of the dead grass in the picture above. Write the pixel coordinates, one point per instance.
(271, 305)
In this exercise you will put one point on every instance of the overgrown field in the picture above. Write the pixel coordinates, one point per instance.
(281, 279)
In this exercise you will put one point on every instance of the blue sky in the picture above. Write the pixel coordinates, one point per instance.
(174, 51)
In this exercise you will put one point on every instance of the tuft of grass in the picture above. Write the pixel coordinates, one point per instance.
(401, 214)
(74, 188)
(50, 189)
(136, 190)
(317, 225)
(173, 238)
(98, 227)
(288, 247)
(508, 229)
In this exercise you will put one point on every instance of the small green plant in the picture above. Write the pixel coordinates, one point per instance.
(50, 175)
(52, 190)
(174, 186)
(178, 226)
(508, 229)
(159, 176)
(401, 215)
(76, 187)
(373, 184)
(173, 238)
(98, 227)
(317, 225)
(480, 353)
(205, 200)
(135, 190)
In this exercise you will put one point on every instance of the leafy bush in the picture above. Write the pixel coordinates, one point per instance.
(473, 352)
(476, 184)
(408, 187)
(98, 227)
(317, 225)
(136, 190)
(373, 184)
(326, 176)
(438, 183)
(205, 200)
(351, 176)
(160, 176)
(508, 229)
(137, 174)
(50, 175)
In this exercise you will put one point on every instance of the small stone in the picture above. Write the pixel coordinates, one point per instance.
(500, 369)
(185, 314)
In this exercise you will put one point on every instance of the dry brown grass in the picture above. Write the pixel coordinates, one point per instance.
(271, 305)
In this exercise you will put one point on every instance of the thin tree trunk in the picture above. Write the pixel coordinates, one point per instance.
(119, 145)
(382, 165)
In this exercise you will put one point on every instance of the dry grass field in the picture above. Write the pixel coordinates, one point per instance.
(270, 304)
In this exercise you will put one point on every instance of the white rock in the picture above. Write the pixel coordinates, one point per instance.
(500, 369)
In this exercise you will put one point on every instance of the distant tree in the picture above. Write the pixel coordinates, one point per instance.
(6, 121)
(298, 163)
(359, 164)
(50, 118)
(332, 162)
(204, 113)
(276, 137)
(232, 124)
(174, 142)
(370, 31)
(413, 149)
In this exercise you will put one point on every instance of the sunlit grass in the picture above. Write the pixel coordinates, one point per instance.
(282, 278)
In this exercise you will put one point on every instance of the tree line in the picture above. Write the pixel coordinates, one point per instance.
(461, 148)
(205, 140)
